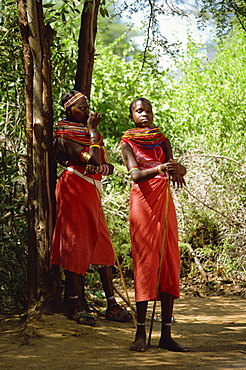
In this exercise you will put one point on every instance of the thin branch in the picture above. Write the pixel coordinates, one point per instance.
(197, 262)
(237, 13)
(214, 156)
(215, 210)
(148, 34)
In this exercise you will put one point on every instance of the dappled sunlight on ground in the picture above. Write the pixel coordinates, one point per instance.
(214, 328)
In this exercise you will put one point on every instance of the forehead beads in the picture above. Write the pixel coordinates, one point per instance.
(73, 99)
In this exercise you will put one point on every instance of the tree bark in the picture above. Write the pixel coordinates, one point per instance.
(87, 36)
(28, 66)
(41, 174)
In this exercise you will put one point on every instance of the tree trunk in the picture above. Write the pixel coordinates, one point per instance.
(44, 282)
(41, 174)
(87, 36)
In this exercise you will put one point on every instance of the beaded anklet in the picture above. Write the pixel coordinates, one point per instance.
(73, 297)
(111, 298)
(167, 323)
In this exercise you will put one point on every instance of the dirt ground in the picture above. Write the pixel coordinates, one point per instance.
(214, 328)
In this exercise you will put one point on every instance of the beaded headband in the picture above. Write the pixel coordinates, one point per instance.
(73, 99)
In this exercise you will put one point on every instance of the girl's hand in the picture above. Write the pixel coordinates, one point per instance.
(93, 121)
(90, 169)
(174, 167)
(177, 180)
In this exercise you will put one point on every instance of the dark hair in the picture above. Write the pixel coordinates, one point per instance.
(68, 95)
(144, 100)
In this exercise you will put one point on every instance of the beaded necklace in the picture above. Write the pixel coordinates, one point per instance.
(74, 131)
(149, 137)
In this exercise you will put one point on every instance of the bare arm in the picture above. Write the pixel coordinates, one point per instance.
(69, 150)
(92, 123)
(176, 169)
(172, 165)
(72, 151)
(130, 161)
(94, 166)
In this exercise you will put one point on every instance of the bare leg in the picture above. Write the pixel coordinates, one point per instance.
(139, 344)
(71, 296)
(82, 298)
(75, 300)
(114, 311)
(107, 283)
(166, 341)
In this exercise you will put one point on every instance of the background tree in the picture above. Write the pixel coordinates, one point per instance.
(36, 40)
(86, 50)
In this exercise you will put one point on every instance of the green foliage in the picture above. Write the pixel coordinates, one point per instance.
(209, 101)
(116, 83)
(13, 241)
(64, 18)
(110, 29)
(225, 13)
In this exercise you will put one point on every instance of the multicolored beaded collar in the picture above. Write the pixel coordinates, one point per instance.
(76, 132)
(149, 137)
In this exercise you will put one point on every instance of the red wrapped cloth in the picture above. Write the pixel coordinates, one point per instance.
(81, 235)
(147, 215)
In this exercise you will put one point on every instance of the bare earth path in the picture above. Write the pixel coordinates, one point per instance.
(213, 327)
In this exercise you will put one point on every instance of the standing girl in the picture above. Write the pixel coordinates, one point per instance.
(81, 235)
(148, 157)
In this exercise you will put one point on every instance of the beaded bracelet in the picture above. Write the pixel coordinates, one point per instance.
(103, 169)
(100, 169)
(93, 134)
(133, 169)
(93, 141)
(84, 156)
(96, 145)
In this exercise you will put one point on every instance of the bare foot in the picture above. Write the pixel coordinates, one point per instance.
(170, 344)
(139, 344)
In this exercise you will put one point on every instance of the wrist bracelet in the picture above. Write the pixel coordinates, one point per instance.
(159, 170)
(100, 169)
(96, 145)
(133, 169)
(105, 170)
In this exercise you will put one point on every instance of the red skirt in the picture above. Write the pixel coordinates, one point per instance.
(147, 214)
(81, 236)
